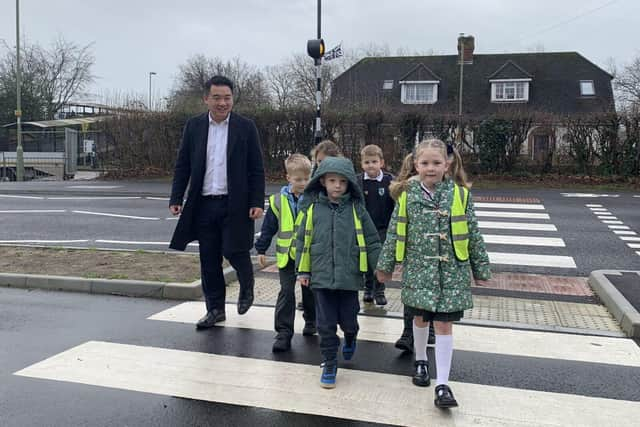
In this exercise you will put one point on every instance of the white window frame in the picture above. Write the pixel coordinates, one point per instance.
(434, 92)
(387, 85)
(593, 88)
(525, 83)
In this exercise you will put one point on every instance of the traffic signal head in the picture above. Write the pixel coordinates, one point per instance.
(315, 48)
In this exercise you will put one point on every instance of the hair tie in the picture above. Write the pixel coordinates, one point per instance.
(449, 149)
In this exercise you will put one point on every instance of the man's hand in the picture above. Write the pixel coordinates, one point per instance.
(175, 209)
(262, 260)
(304, 281)
(383, 276)
(255, 213)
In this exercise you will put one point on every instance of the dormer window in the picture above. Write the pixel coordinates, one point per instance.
(587, 88)
(510, 90)
(387, 85)
(419, 92)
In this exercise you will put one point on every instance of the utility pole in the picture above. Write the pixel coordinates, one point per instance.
(151, 73)
(315, 49)
(459, 130)
(19, 150)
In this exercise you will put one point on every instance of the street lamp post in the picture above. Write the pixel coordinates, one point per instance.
(151, 73)
(461, 56)
(19, 150)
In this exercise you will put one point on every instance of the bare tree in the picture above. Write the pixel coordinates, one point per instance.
(627, 84)
(280, 79)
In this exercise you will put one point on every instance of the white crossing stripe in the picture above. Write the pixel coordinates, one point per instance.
(531, 260)
(500, 239)
(625, 232)
(164, 199)
(618, 227)
(634, 245)
(517, 226)
(607, 217)
(630, 239)
(612, 222)
(581, 348)
(23, 211)
(593, 206)
(509, 206)
(116, 215)
(599, 209)
(498, 214)
(638, 253)
(284, 386)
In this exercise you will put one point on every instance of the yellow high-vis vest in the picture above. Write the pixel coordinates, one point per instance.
(284, 248)
(305, 257)
(459, 226)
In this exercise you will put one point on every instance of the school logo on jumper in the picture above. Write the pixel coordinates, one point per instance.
(381, 191)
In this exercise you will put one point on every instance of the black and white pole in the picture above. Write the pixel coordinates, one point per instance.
(315, 49)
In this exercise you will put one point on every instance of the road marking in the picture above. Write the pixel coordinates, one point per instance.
(165, 199)
(630, 239)
(612, 222)
(284, 386)
(590, 195)
(517, 226)
(532, 260)
(35, 211)
(116, 215)
(583, 348)
(91, 187)
(598, 210)
(634, 245)
(42, 241)
(526, 215)
(618, 227)
(173, 218)
(606, 217)
(509, 206)
(500, 239)
(625, 233)
(20, 197)
(593, 206)
(637, 252)
(127, 242)
(94, 198)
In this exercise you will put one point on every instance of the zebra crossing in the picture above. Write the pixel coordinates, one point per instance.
(625, 233)
(530, 231)
(500, 376)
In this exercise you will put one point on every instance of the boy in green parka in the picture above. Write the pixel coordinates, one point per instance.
(336, 242)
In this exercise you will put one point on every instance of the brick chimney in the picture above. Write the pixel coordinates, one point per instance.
(466, 45)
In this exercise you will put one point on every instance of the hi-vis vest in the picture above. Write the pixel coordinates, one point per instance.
(305, 258)
(279, 204)
(459, 226)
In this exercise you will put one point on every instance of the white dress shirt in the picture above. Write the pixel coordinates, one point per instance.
(377, 178)
(215, 177)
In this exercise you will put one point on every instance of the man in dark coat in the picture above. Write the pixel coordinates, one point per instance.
(221, 159)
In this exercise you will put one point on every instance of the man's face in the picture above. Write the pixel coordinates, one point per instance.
(372, 165)
(298, 181)
(219, 100)
(335, 184)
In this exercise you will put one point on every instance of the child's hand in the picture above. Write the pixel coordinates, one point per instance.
(262, 260)
(304, 281)
(383, 276)
(482, 282)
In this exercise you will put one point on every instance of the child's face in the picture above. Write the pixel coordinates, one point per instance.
(372, 165)
(431, 166)
(335, 184)
(320, 156)
(298, 181)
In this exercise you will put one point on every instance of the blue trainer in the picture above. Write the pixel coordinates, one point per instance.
(329, 372)
(349, 348)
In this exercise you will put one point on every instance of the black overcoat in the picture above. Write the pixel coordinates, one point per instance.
(245, 180)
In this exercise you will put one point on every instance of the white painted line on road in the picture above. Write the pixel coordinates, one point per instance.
(606, 217)
(42, 241)
(165, 199)
(99, 187)
(593, 206)
(126, 242)
(525, 215)
(499, 239)
(634, 245)
(509, 206)
(630, 239)
(94, 198)
(612, 222)
(618, 227)
(590, 195)
(625, 233)
(293, 387)
(517, 226)
(8, 196)
(598, 209)
(116, 215)
(173, 218)
(638, 252)
(35, 211)
(506, 258)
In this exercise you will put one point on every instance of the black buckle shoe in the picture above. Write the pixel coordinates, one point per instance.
(405, 342)
(245, 300)
(281, 344)
(444, 397)
(380, 299)
(421, 377)
(211, 318)
(309, 329)
(368, 296)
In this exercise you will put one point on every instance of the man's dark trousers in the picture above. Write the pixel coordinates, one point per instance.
(371, 281)
(335, 307)
(212, 232)
(286, 304)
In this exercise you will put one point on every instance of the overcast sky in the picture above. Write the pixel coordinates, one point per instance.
(134, 37)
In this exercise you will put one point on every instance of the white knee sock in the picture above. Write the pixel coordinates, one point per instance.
(444, 353)
(420, 336)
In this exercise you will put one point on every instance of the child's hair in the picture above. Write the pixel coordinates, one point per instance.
(449, 153)
(297, 163)
(328, 148)
(371, 151)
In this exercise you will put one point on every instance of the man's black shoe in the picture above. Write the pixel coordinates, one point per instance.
(281, 344)
(380, 299)
(309, 329)
(245, 300)
(421, 376)
(211, 318)
(368, 296)
(405, 342)
(444, 397)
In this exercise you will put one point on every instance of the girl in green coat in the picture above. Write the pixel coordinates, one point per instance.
(434, 234)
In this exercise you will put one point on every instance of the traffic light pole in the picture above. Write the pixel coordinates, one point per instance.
(318, 62)
(19, 150)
